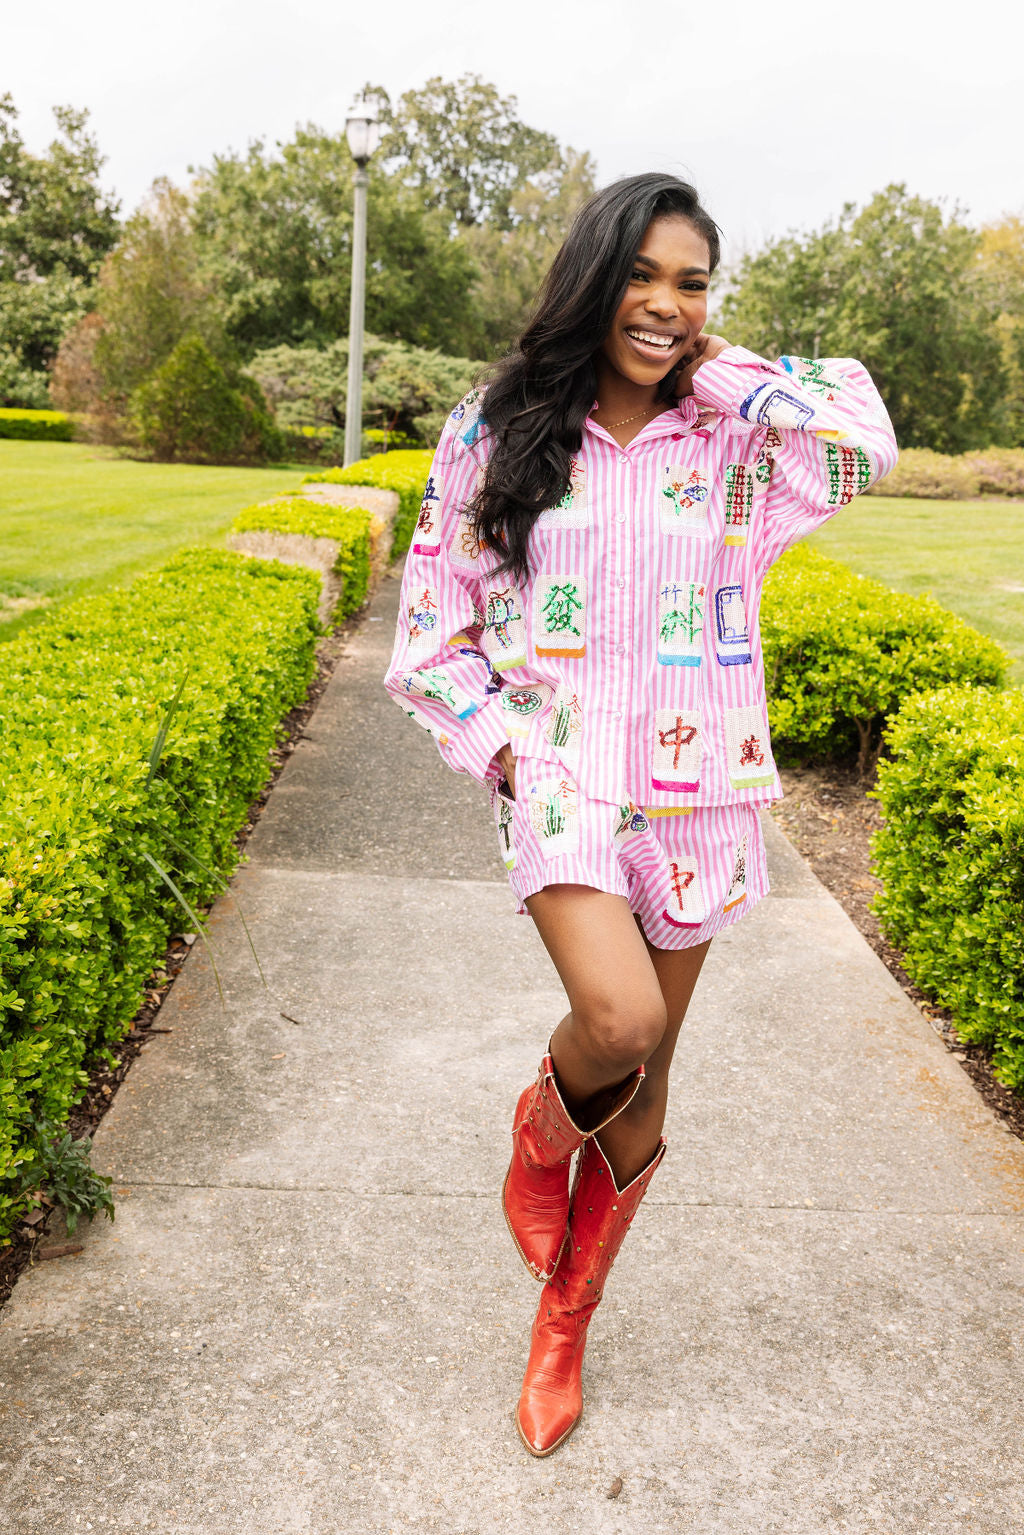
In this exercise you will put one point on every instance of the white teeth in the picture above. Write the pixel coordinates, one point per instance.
(665, 342)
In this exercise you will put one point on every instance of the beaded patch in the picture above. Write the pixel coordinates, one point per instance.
(503, 636)
(564, 726)
(769, 405)
(423, 616)
(748, 748)
(732, 640)
(849, 472)
(681, 623)
(551, 804)
(739, 498)
(427, 537)
(520, 705)
(810, 374)
(631, 822)
(686, 901)
(464, 549)
(678, 750)
(560, 615)
(572, 511)
(505, 823)
(738, 888)
(435, 682)
(685, 494)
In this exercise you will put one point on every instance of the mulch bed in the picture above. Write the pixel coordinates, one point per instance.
(30, 1242)
(829, 818)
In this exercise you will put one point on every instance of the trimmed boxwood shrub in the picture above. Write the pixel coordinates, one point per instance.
(36, 425)
(951, 856)
(841, 653)
(349, 525)
(404, 471)
(83, 915)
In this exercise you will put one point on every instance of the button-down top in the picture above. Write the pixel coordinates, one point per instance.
(631, 656)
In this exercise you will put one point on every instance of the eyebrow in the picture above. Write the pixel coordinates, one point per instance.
(686, 271)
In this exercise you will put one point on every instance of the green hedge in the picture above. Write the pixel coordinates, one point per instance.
(842, 652)
(404, 471)
(83, 915)
(36, 425)
(349, 525)
(951, 856)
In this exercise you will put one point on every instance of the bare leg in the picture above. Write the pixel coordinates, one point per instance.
(631, 1139)
(618, 1013)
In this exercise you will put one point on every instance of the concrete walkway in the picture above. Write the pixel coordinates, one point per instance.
(309, 1317)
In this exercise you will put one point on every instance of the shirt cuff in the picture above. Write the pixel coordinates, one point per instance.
(725, 381)
(481, 737)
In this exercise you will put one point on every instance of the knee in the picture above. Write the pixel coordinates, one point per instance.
(618, 1035)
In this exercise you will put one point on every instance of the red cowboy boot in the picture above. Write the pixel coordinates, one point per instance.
(551, 1403)
(535, 1194)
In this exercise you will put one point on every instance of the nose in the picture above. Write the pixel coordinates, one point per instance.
(662, 300)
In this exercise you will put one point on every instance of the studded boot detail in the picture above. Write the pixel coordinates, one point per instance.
(535, 1194)
(551, 1403)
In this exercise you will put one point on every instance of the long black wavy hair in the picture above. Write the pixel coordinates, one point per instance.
(541, 393)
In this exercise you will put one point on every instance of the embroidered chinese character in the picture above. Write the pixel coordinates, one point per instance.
(679, 736)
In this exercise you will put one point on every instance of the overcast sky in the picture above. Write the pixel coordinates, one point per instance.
(779, 113)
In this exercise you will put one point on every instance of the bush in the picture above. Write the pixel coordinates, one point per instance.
(1000, 471)
(933, 476)
(196, 408)
(36, 425)
(841, 654)
(404, 471)
(349, 526)
(84, 913)
(951, 856)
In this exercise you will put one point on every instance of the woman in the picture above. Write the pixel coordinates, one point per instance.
(579, 631)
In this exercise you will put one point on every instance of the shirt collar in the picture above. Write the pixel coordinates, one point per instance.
(681, 418)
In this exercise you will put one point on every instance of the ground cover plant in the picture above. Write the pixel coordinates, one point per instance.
(36, 425)
(349, 526)
(404, 471)
(75, 519)
(968, 555)
(137, 728)
(841, 654)
(951, 857)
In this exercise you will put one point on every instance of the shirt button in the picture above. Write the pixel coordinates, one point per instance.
(620, 517)
(620, 583)
(623, 458)
(620, 650)
(617, 715)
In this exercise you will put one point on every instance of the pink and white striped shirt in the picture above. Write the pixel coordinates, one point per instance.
(631, 656)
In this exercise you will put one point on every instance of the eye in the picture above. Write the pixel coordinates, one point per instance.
(695, 287)
(637, 276)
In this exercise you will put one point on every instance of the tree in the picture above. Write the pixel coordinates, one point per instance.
(1001, 273)
(274, 235)
(56, 225)
(464, 149)
(406, 389)
(896, 285)
(512, 263)
(197, 408)
(150, 294)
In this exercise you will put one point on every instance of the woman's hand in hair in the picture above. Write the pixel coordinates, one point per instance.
(507, 763)
(704, 348)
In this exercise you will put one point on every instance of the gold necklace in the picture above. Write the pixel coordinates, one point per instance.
(612, 424)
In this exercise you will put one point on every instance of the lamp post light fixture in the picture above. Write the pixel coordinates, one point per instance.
(362, 130)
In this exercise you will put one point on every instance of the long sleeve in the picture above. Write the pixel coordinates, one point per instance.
(437, 672)
(825, 435)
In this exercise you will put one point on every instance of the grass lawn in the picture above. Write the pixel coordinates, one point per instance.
(968, 554)
(76, 518)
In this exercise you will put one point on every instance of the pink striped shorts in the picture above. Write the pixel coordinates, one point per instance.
(686, 871)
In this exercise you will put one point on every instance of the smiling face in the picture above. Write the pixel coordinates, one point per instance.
(664, 307)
